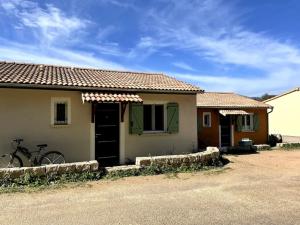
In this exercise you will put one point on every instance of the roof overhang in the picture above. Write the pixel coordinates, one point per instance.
(110, 97)
(233, 112)
(86, 88)
(233, 107)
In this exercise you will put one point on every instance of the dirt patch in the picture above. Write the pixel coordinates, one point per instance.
(258, 188)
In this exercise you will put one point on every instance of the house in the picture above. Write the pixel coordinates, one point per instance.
(284, 119)
(226, 118)
(111, 116)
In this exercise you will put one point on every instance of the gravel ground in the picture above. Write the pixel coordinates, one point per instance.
(259, 188)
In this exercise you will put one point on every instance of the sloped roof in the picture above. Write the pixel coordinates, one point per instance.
(285, 93)
(227, 101)
(49, 76)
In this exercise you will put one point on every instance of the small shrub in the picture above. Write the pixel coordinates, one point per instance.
(290, 146)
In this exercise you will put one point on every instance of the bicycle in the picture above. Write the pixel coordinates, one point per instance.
(13, 160)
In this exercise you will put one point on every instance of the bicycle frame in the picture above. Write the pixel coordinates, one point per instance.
(25, 152)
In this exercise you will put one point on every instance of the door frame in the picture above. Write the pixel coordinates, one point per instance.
(231, 132)
(93, 134)
(122, 133)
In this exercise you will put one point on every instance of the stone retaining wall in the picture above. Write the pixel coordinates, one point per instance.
(205, 158)
(288, 145)
(262, 147)
(77, 167)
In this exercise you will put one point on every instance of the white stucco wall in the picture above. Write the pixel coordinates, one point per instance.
(285, 118)
(26, 114)
(163, 143)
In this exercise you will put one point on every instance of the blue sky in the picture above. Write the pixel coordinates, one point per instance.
(249, 47)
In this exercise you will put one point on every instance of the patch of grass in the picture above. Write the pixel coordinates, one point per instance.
(291, 146)
(29, 183)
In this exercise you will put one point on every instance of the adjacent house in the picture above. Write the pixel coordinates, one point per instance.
(284, 119)
(111, 116)
(226, 118)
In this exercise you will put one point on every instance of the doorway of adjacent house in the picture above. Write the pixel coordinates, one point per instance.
(225, 123)
(107, 134)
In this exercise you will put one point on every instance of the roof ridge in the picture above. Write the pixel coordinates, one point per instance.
(83, 68)
(284, 93)
(219, 92)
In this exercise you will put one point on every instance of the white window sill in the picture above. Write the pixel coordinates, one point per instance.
(248, 131)
(155, 132)
(60, 125)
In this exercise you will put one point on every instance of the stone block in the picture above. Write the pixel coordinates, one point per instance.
(212, 153)
(4, 173)
(51, 169)
(15, 172)
(94, 165)
(81, 167)
(66, 168)
(121, 168)
(143, 161)
(28, 170)
(39, 171)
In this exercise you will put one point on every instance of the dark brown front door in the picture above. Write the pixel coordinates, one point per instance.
(107, 134)
(225, 122)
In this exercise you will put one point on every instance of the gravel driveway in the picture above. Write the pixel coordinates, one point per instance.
(260, 188)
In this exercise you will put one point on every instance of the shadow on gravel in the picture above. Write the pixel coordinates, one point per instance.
(238, 152)
(224, 160)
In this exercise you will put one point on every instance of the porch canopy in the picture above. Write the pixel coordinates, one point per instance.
(110, 97)
(233, 112)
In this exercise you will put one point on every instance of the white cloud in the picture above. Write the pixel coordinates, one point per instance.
(244, 85)
(49, 24)
(213, 30)
(120, 3)
(183, 65)
(11, 51)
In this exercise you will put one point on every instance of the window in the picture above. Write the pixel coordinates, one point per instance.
(60, 111)
(206, 119)
(247, 123)
(153, 117)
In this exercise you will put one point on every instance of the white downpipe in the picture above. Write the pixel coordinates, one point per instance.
(92, 141)
(122, 143)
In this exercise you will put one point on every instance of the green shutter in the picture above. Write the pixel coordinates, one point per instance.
(255, 122)
(136, 115)
(239, 123)
(172, 118)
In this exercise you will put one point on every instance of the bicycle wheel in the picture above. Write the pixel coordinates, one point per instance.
(52, 157)
(10, 161)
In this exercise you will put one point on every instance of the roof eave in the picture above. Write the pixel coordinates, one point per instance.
(235, 107)
(83, 88)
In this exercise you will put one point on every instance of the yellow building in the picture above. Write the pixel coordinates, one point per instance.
(285, 118)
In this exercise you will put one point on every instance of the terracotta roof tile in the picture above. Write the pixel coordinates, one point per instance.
(227, 100)
(37, 75)
(110, 97)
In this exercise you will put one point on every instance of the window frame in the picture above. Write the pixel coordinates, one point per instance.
(245, 127)
(153, 117)
(58, 100)
(203, 119)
